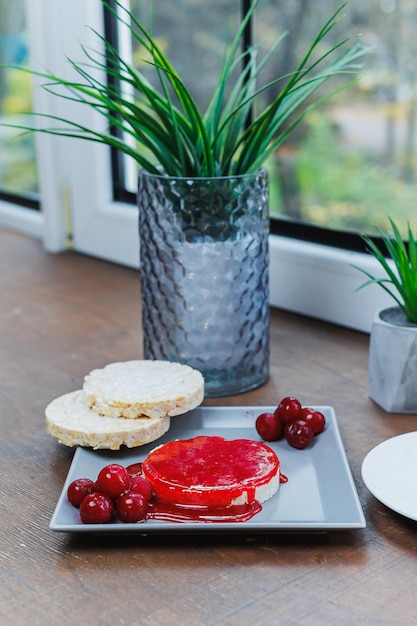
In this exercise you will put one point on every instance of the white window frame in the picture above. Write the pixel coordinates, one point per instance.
(78, 210)
(75, 175)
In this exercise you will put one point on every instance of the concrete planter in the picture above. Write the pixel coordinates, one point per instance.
(393, 362)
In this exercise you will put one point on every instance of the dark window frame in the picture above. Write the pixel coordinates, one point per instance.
(27, 201)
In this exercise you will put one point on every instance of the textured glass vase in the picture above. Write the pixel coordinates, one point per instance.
(204, 276)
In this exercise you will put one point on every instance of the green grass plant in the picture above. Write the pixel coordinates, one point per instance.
(166, 123)
(400, 281)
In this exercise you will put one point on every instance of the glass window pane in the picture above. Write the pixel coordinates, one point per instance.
(353, 161)
(192, 34)
(17, 150)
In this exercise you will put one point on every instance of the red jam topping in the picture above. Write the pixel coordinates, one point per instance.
(200, 478)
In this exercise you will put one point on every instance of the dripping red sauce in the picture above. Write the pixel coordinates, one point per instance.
(166, 512)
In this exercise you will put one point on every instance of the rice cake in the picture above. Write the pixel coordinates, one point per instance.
(137, 389)
(73, 423)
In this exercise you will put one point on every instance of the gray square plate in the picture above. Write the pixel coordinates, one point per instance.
(320, 494)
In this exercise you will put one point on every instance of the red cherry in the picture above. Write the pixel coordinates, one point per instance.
(288, 409)
(96, 508)
(135, 469)
(315, 419)
(132, 507)
(113, 480)
(298, 434)
(139, 484)
(268, 426)
(78, 489)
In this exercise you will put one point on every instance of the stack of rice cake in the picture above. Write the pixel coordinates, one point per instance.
(127, 403)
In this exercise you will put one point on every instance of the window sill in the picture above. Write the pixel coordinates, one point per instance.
(319, 281)
(20, 219)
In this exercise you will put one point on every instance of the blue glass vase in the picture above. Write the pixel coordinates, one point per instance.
(204, 276)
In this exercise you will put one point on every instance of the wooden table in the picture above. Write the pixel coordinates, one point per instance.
(63, 315)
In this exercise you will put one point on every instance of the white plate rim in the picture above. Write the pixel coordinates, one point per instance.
(386, 470)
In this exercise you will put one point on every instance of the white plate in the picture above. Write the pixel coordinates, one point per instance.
(320, 493)
(389, 471)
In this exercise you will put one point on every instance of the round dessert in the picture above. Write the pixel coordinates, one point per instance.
(210, 471)
(73, 423)
(135, 389)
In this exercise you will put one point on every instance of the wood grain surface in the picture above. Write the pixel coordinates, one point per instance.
(63, 315)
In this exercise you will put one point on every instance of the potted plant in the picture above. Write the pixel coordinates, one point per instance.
(203, 192)
(393, 342)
